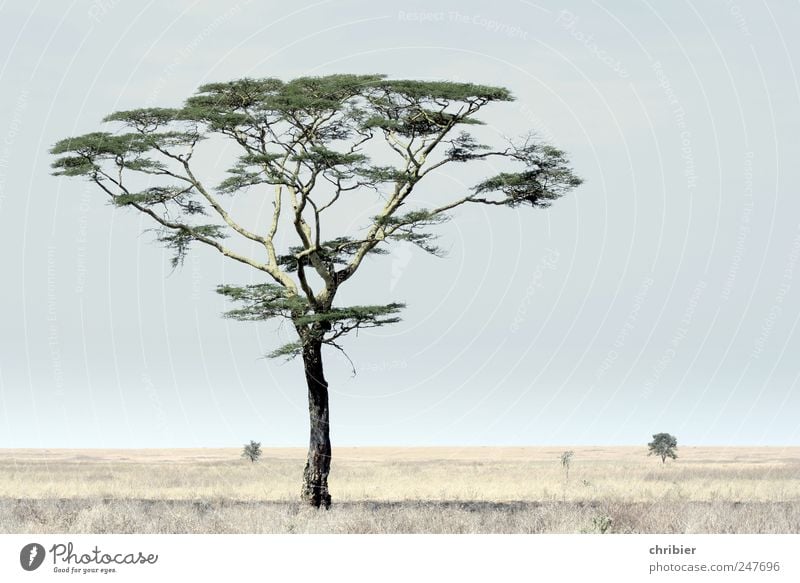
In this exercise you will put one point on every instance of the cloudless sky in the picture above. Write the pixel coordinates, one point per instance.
(662, 295)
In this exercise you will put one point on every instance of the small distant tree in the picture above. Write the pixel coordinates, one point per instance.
(566, 460)
(663, 445)
(252, 451)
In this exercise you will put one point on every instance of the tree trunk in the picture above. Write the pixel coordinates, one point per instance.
(318, 464)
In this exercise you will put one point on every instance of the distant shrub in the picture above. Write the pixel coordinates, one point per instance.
(566, 460)
(252, 451)
(602, 523)
(664, 446)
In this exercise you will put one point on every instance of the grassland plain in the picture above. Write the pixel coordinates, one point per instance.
(403, 490)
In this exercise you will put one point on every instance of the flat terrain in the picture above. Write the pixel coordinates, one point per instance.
(508, 490)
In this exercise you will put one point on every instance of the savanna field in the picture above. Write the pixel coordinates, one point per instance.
(403, 490)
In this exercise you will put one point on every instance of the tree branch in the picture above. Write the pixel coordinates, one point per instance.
(275, 273)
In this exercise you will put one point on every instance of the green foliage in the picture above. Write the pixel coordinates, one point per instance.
(288, 351)
(547, 177)
(310, 138)
(420, 108)
(241, 178)
(355, 316)
(380, 174)
(407, 227)
(602, 523)
(464, 148)
(161, 195)
(146, 165)
(75, 166)
(323, 158)
(252, 169)
(415, 121)
(433, 90)
(263, 301)
(224, 106)
(179, 240)
(101, 144)
(86, 153)
(313, 95)
(147, 118)
(169, 139)
(252, 451)
(664, 446)
(236, 95)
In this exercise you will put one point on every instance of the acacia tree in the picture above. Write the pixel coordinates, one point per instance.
(664, 446)
(306, 145)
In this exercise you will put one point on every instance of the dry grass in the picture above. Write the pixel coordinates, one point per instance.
(508, 490)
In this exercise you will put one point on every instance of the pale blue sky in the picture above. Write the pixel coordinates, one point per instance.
(662, 295)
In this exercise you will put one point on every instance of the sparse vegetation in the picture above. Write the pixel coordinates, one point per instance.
(602, 523)
(425, 490)
(369, 517)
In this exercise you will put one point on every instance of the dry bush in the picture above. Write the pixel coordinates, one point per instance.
(184, 517)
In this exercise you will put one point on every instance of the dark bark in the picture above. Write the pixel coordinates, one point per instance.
(318, 464)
